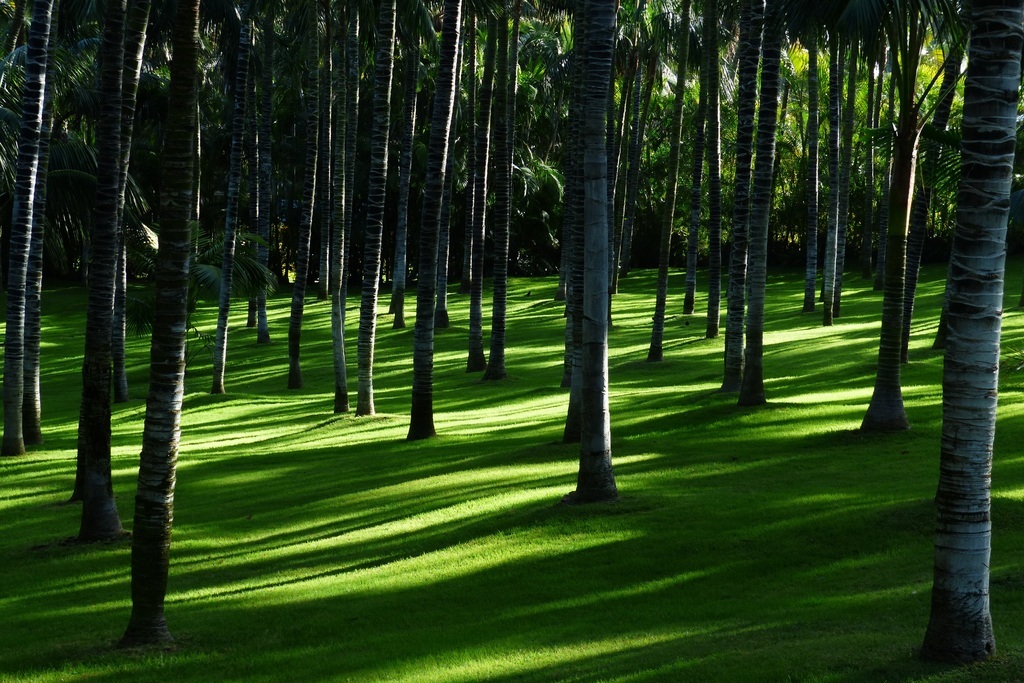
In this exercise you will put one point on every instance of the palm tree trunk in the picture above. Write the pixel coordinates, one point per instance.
(466, 280)
(835, 89)
(444, 236)
(265, 137)
(338, 218)
(752, 388)
(252, 155)
(21, 226)
(100, 519)
(324, 156)
(695, 195)
(655, 352)
(154, 501)
(476, 361)
(375, 203)
(713, 149)
(351, 130)
(813, 132)
(960, 626)
(220, 349)
(412, 72)
(844, 177)
(633, 170)
(596, 480)
(421, 423)
(867, 222)
(751, 24)
(883, 207)
(923, 196)
(308, 201)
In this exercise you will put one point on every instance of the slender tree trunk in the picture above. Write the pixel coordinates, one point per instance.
(325, 174)
(655, 352)
(844, 177)
(867, 222)
(752, 388)
(412, 72)
(252, 154)
(100, 519)
(421, 424)
(338, 220)
(633, 171)
(444, 235)
(466, 280)
(813, 132)
(695, 195)
(220, 349)
(883, 208)
(154, 501)
(21, 226)
(266, 168)
(351, 130)
(476, 361)
(375, 203)
(960, 626)
(308, 201)
(596, 480)
(835, 89)
(712, 130)
(751, 23)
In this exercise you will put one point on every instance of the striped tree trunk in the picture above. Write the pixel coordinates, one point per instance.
(412, 73)
(695, 195)
(633, 169)
(351, 138)
(325, 174)
(835, 89)
(883, 206)
(844, 177)
(466, 280)
(252, 157)
(444, 235)
(338, 218)
(960, 626)
(811, 238)
(713, 149)
(265, 136)
(867, 221)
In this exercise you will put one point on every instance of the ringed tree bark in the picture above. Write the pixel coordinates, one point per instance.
(265, 136)
(154, 502)
(21, 225)
(960, 626)
(844, 175)
(835, 89)
(339, 180)
(596, 480)
(412, 74)
(811, 239)
(421, 424)
(325, 173)
(466, 280)
(384, 67)
(713, 148)
(695, 195)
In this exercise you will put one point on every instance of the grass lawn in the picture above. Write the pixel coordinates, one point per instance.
(770, 544)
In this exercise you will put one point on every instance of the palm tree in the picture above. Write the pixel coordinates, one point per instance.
(220, 348)
(375, 203)
(421, 423)
(596, 480)
(882, 215)
(633, 160)
(412, 73)
(655, 352)
(695, 191)
(751, 23)
(811, 240)
(713, 149)
(325, 172)
(339, 219)
(265, 136)
(99, 513)
(835, 88)
(846, 161)
(154, 502)
(868, 222)
(308, 198)
(21, 225)
(466, 280)
(960, 626)
(752, 388)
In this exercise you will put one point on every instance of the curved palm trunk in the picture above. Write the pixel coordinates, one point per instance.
(466, 280)
(444, 235)
(712, 130)
(476, 361)
(421, 423)
(751, 22)
(265, 136)
(835, 89)
(811, 239)
(752, 388)
(375, 203)
(21, 226)
(308, 201)
(100, 519)
(633, 170)
(32, 404)
(922, 199)
(154, 501)
(220, 348)
(844, 177)
(655, 352)
(135, 42)
(960, 626)
(412, 71)
(695, 195)
(596, 480)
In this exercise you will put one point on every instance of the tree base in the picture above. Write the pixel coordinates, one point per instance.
(263, 337)
(476, 362)
(143, 632)
(885, 414)
(956, 644)
(495, 373)
(340, 401)
(808, 306)
(441, 321)
(294, 375)
(655, 355)
(12, 447)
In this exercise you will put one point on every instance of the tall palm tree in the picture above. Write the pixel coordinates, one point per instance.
(713, 149)
(811, 240)
(596, 480)
(308, 197)
(466, 280)
(220, 347)
(412, 77)
(752, 388)
(154, 502)
(655, 352)
(265, 136)
(633, 160)
(882, 215)
(383, 68)
(100, 519)
(751, 24)
(960, 626)
(868, 222)
(21, 225)
(325, 173)
(421, 423)
(846, 161)
(338, 220)
(835, 88)
(695, 192)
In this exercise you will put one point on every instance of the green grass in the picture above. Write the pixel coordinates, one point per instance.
(773, 544)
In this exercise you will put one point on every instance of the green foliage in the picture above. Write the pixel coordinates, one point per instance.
(772, 544)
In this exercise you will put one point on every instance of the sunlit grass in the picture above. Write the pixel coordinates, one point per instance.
(770, 544)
